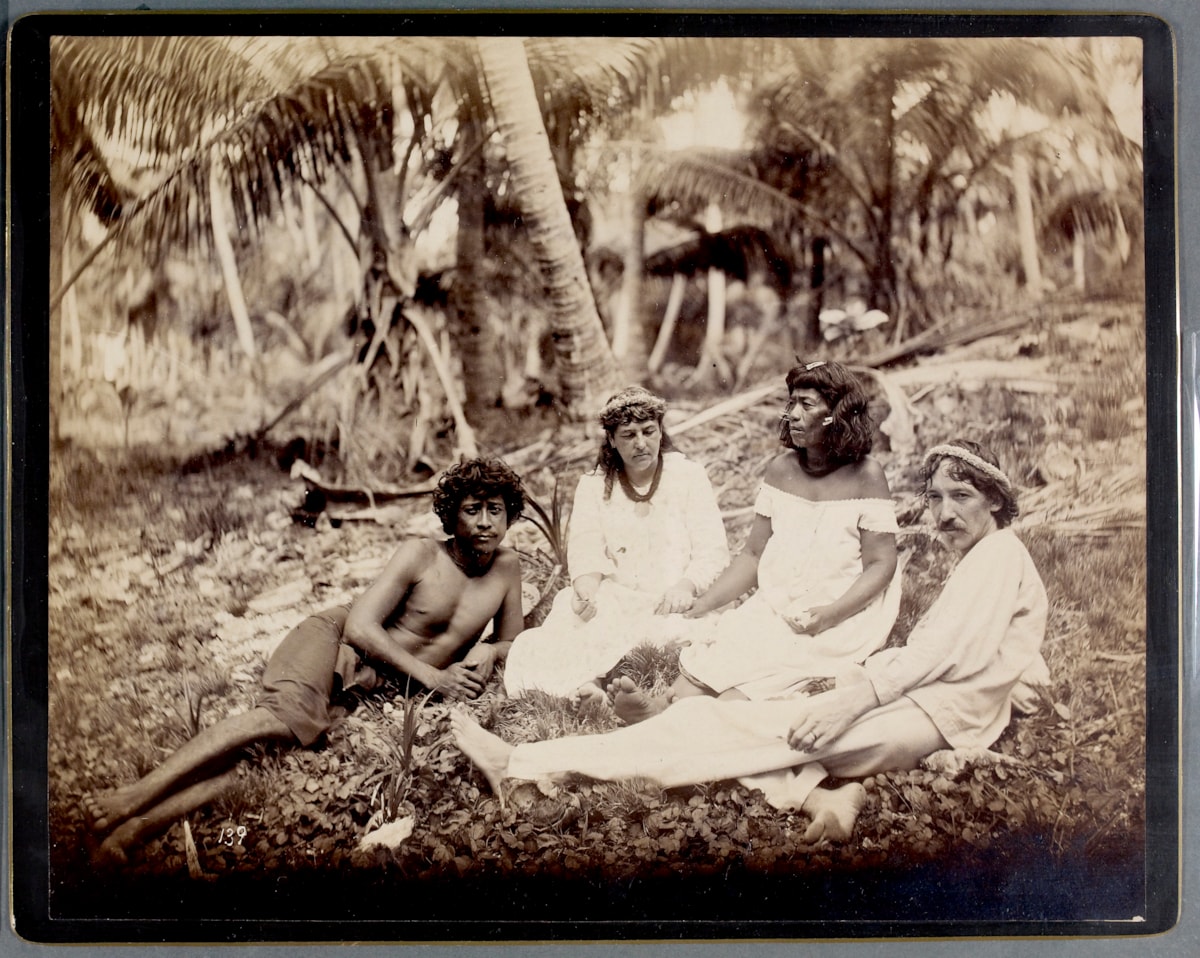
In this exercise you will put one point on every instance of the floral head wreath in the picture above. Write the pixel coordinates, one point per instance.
(632, 397)
(958, 452)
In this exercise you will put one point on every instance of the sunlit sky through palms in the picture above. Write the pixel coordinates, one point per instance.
(711, 118)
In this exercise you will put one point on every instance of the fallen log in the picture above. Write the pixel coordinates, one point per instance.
(329, 492)
(734, 404)
(369, 497)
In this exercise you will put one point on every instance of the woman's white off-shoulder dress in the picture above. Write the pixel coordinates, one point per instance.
(812, 558)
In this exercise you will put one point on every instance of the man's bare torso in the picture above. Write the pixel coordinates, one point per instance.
(445, 609)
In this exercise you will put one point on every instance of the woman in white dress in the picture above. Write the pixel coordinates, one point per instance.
(645, 538)
(822, 552)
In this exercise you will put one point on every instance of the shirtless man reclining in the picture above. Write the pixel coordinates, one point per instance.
(950, 686)
(431, 602)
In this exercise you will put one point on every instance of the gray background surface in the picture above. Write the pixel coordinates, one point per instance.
(1183, 16)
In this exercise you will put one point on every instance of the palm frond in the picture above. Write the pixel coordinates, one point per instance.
(687, 183)
(269, 144)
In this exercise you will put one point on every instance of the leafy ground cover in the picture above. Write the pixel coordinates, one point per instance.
(168, 591)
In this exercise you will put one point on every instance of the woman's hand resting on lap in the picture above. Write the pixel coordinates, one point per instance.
(812, 621)
(679, 598)
(583, 598)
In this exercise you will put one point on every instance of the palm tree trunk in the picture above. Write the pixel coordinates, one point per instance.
(667, 330)
(474, 340)
(224, 248)
(1078, 261)
(883, 276)
(816, 288)
(585, 365)
(712, 358)
(1023, 198)
(58, 206)
(72, 331)
(629, 338)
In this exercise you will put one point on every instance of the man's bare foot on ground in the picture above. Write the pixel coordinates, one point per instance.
(589, 694)
(365, 678)
(114, 850)
(110, 808)
(833, 812)
(489, 752)
(633, 704)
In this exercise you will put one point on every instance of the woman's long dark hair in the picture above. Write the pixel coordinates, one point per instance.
(851, 434)
(633, 404)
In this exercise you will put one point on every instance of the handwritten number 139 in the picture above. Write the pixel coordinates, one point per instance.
(228, 835)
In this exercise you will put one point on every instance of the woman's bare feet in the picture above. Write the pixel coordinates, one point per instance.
(107, 809)
(489, 752)
(633, 704)
(589, 694)
(833, 812)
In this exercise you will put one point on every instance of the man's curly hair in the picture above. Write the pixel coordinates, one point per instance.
(481, 478)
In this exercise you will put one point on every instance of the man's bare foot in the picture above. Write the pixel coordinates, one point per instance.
(589, 694)
(365, 678)
(107, 809)
(489, 752)
(833, 812)
(114, 850)
(633, 704)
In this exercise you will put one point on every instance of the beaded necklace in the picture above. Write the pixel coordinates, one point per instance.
(818, 471)
(633, 494)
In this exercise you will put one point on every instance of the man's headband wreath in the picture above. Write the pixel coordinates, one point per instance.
(958, 452)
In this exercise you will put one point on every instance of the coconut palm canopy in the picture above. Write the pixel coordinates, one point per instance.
(869, 148)
(146, 129)
(139, 120)
(855, 138)
(738, 252)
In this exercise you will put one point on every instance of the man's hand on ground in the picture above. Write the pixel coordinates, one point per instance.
(459, 681)
(482, 658)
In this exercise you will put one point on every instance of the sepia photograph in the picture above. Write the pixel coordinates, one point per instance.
(684, 484)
